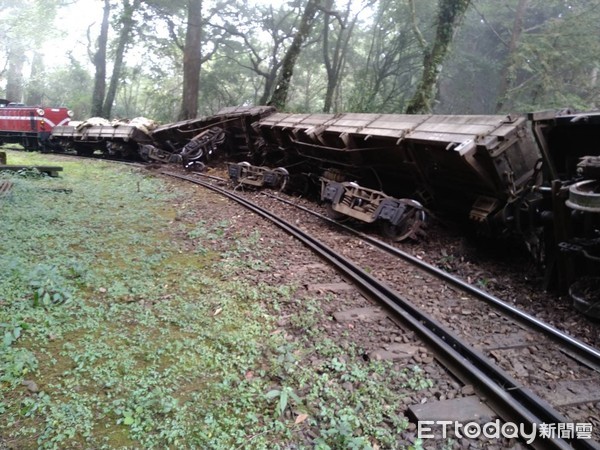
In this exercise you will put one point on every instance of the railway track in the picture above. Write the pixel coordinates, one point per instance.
(511, 396)
(586, 353)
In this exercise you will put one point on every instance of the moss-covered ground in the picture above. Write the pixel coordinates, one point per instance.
(115, 335)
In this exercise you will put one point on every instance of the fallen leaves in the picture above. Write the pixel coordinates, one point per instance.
(300, 418)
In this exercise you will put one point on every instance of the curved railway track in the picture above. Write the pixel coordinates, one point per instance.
(510, 397)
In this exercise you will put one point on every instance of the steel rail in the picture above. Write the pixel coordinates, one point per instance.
(585, 353)
(510, 400)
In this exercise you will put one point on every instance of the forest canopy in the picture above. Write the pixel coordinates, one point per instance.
(176, 59)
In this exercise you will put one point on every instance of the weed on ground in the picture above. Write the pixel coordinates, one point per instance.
(125, 323)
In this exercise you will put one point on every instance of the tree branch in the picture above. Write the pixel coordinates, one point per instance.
(489, 25)
(417, 31)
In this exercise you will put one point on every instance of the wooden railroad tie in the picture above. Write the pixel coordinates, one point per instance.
(50, 170)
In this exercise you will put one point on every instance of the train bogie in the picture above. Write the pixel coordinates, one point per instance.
(536, 180)
(245, 174)
(401, 219)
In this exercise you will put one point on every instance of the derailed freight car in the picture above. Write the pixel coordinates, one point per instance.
(568, 202)
(472, 165)
(536, 178)
(191, 142)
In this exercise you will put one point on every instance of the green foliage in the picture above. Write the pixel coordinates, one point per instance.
(48, 286)
(390, 57)
(283, 395)
(59, 89)
(553, 65)
(15, 363)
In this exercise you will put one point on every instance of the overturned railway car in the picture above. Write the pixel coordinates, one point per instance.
(191, 142)
(536, 178)
(117, 139)
(472, 165)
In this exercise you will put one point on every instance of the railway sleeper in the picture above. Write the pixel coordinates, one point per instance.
(400, 219)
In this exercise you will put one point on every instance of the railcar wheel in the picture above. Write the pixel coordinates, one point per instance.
(585, 293)
(195, 166)
(411, 226)
(335, 215)
(282, 178)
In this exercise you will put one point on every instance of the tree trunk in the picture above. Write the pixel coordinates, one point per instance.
(289, 60)
(192, 61)
(100, 64)
(127, 24)
(508, 74)
(14, 74)
(335, 62)
(35, 88)
(330, 66)
(449, 14)
(269, 82)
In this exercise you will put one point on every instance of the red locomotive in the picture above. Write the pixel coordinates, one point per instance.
(30, 126)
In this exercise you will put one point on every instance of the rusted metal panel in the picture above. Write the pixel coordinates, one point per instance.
(439, 137)
(456, 129)
(181, 132)
(467, 120)
(435, 129)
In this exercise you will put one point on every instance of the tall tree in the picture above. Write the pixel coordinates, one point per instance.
(450, 12)
(127, 24)
(192, 60)
(384, 77)
(536, 55)
(335, 46)
(279, 97)
(261, 56)
(509, 72)
(556, 57)
(14, 76)
(35, 88)
(99, 61)
(20, 43)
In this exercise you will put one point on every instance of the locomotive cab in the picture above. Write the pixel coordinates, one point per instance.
(30, 126)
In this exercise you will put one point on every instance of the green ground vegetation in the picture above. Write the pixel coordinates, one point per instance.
(115, 335)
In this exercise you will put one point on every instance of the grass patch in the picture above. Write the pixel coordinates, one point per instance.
(116, 335)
